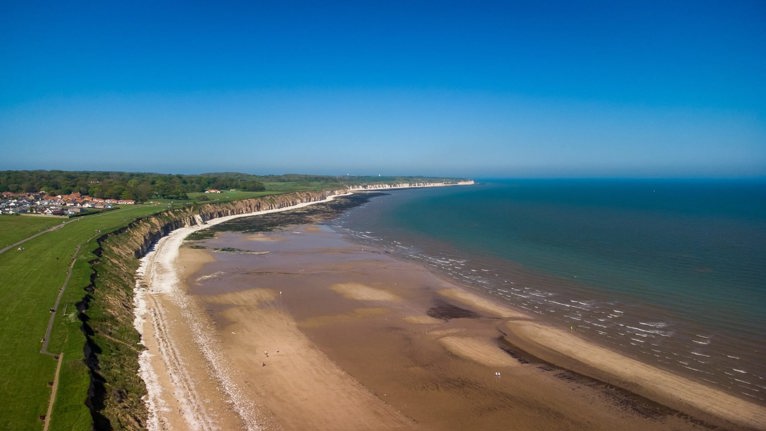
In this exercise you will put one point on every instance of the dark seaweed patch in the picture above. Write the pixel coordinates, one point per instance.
(445, 311)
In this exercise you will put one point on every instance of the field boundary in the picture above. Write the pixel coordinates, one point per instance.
(54, 310)
(54, 389)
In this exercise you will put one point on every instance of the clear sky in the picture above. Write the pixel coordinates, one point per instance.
(473, 88)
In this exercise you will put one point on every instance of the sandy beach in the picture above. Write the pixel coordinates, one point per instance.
(302, 329)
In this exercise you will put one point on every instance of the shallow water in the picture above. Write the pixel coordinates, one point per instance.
(669, 272)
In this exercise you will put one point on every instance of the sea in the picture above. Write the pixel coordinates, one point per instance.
(670, 272)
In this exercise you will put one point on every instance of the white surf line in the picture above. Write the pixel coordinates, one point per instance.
(156, 275)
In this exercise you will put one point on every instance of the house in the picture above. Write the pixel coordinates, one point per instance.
(212, 191)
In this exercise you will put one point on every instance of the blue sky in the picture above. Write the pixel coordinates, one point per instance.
(423, 88)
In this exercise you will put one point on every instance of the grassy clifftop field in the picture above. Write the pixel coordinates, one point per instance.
(31, 279)
(69, 356)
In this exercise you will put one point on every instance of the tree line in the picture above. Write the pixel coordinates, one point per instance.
(123, 185)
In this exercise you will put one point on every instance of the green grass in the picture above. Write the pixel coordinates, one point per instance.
(303, 185)
(14, 228)
(29, 283)
(227, 196)
(169, 203)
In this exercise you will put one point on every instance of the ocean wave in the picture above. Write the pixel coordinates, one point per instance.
(624, 325)
(654, 324)
(649, 331)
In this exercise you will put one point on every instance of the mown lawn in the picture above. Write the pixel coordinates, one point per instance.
(14, 228)
(227, 196)
(29, 283)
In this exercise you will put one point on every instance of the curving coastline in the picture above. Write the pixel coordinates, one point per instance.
(517, 330)
(115, 395)
(116, 392)
(158, 294)
(434, 321)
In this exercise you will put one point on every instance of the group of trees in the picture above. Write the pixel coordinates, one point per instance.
(123, 185)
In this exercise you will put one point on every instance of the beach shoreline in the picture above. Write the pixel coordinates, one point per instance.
(514, 326)
(158, 294)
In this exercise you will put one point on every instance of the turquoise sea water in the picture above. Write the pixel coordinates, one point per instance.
(670, 272)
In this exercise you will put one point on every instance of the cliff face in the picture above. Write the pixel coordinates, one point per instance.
(106, 311)
(410, 185)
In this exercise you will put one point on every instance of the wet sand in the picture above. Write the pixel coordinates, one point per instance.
(315, 332)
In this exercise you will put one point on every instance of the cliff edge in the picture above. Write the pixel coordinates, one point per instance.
(111, 345)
